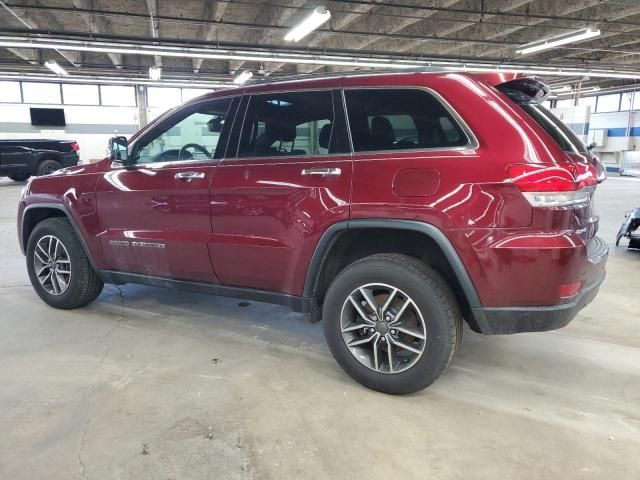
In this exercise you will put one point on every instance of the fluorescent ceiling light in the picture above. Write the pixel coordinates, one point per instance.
(582, 91)
(243, 77)
(155, 73)
(55, 68)
(564, 88)
(302, 58)
(317, 17)
(553, 42)
(108, 80)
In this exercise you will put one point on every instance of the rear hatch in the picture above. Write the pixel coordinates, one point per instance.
(529, 93)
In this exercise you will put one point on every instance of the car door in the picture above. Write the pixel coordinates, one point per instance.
(155, 213)
(15, 158)
(290, 180)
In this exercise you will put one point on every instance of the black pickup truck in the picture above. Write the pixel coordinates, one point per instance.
(20, 159)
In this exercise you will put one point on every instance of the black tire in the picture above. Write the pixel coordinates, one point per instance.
(84, 285)
(19, 177)
(46, 167)
(431, 295)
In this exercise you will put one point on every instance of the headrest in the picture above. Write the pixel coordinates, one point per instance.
(325, 136)
(276, 130)
(381, 127)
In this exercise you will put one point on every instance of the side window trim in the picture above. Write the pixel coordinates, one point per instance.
(472, 141)
(225, 134)
(169, 119)
(233, 146)
(340, 128)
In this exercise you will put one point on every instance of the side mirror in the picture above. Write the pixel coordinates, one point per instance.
(215, 124)
(118, 150)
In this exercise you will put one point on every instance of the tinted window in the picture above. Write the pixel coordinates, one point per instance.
(290, 123)
(398, 119)
(190, 134)
(563, 135)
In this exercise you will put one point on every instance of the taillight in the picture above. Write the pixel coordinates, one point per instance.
(559, 185)
(75, 146)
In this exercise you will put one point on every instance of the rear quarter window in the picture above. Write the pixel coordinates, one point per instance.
(401, 119)
(561, 133)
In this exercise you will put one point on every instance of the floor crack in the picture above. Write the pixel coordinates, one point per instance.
(85, 398)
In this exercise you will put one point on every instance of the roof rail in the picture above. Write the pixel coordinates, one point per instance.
(353, 73)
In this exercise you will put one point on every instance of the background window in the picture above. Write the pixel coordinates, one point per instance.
(564, 103)
(191, 93)
(192, 134)
(41, 92)
(399, 120)
(608, 103)
(10, 92)
(118, 96)
(636, 101)
(625, 101)
(80, 94)
(294, 123)
(590, 101)
(158, 97)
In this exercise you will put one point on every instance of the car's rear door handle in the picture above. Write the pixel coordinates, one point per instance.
(188, 176)
(323, 172)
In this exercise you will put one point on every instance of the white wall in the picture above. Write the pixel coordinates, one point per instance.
(90, 126)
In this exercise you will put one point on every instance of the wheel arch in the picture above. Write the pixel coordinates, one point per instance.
(37, 212)
(49, 155)
(347, 241)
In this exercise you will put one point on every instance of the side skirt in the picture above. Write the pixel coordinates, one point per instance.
(295, 303)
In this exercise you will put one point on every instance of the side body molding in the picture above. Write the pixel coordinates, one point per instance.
(333, 234)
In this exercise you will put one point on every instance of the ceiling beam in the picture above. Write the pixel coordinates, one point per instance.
(336, 24)
(30, 23)
(389, 26)
(607, 42)
(444, 30)
(270, 15)
(154, 26)
(212, 12)
(97, 24)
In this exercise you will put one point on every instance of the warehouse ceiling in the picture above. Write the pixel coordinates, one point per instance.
(248, 34)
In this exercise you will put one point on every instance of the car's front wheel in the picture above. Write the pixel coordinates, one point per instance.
(392, 323)
(58, 266)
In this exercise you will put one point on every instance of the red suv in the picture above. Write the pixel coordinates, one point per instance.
(392, 206)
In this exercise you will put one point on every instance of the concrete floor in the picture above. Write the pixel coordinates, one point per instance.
(151, 383)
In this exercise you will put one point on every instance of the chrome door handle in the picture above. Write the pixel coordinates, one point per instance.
(188, 176)
(323, 172)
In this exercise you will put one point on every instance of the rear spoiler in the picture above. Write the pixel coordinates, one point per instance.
(530, 86)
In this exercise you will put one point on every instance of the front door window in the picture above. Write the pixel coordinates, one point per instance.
(190, 135)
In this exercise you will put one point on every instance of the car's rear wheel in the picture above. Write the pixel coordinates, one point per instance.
(392, 323)
(58, 266)
(47, 167)
(19, 177)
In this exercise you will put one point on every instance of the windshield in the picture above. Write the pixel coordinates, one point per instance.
(561, 133)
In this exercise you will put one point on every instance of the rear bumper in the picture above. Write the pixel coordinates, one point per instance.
(507, 320)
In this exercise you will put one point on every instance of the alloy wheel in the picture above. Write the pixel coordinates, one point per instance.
(383, 328)
(52, 265)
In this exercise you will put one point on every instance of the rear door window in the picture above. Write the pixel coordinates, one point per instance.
(289, 123)
(400, 119)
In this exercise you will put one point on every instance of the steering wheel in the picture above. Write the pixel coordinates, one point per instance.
(195, 146)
